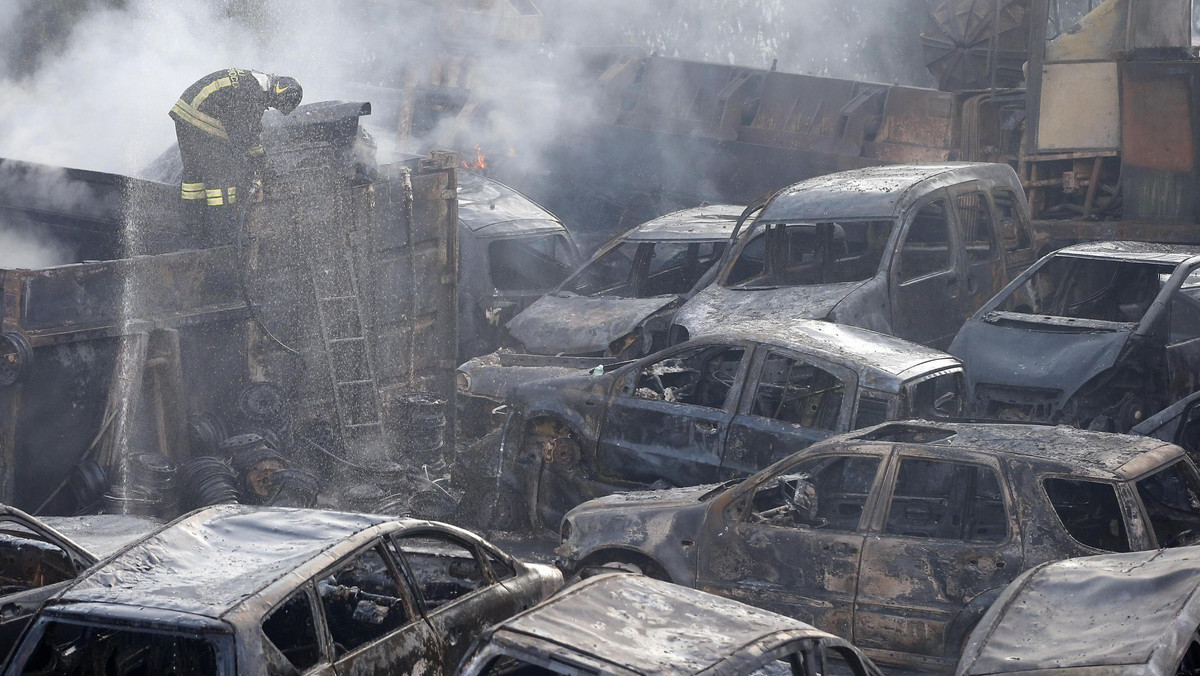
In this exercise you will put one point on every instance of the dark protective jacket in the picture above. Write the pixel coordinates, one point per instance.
(228, 104)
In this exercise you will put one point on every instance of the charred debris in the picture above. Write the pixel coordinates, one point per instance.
(874, 357)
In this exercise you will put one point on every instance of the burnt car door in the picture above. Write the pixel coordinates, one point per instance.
(790, 556)
(296, 640)
(977, 229)
(1183, 339)
(459, 591)
(945, 533)
(928, 296)
(373, 621)
(668, 418)
(1015, 234)
(791, 401)
(35, 564)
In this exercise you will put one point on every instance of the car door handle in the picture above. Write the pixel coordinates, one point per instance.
(706, 428)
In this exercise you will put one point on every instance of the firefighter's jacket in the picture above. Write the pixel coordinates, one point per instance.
(228, 104)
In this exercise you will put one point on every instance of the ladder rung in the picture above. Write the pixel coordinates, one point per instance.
(377, 423)
(340, 383)
(356, 339)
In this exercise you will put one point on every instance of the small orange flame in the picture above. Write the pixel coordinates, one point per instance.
(480, 161)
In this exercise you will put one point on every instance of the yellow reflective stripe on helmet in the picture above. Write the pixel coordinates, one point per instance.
(205, 123)
(219, 83)
(215, 199)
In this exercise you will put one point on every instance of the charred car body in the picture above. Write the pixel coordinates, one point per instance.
(231, 590)
(899, 537)
(37, 561)
(620, 302)
(511, 252)
(722, 405)
(618, 306)
(1100, 335)
(586, 629)
(1134, 614)
(1178, 423)
(909, 251)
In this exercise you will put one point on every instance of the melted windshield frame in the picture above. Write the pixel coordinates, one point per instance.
(634, 276)
(865, 242)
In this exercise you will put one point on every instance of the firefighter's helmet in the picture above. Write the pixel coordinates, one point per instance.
(285, 93)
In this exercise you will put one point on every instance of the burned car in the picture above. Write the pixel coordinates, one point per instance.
(586, 629)
(617, 306)
(511, 252)
(621, 301)
(910, 251)
(1178, 423)
(239, 590)
(1096, 335)
(722, 405)
(900, 536)
(37, 561)
(1132, 614)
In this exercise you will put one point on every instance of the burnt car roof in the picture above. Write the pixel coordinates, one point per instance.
(1093, 611)
(1091, 454)
(713, 221)
(650, 626)
(1148, 252)
(212, 560)
(491, 208)
(871, 192)
(881, 353)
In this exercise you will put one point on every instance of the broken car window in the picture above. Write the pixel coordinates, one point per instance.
(67, 649)
(1090, 512)
(790, 390)
(838, 661)
(825, 492)
(676, 267)
(811, 253)
(1086, 288)
(609, 275)
(1171, 497)
(975, 215)
(700, 376)
(1184, 324)
(443, 568)
(362, 601)
(28, 561)
(293, 631)
(937, 397)
(1014, 231)
(537, 263)
(947, 501)
(926, 247)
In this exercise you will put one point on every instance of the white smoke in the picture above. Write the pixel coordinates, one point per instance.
(97, 98)
(31, 252)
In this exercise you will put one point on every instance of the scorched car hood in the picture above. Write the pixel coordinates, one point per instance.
(1022, 355)
(571, 324)
(716, 306)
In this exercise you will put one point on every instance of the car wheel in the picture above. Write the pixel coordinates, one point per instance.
(629, 563)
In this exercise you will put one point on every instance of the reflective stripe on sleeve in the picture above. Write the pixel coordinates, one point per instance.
(205, 123)
(232, 192)
(193, 191)
(215, 198)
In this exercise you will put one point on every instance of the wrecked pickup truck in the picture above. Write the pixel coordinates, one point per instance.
(1134, 614)
(899, 537)
(586, 629)
(910, 251)
(722, 405)
(1097, 335)
(238, 590)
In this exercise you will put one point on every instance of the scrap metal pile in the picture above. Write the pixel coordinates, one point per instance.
(869, 405)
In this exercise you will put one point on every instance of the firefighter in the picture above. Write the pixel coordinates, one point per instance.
(218, 121)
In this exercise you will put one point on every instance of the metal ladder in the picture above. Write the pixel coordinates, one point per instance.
(343, 335)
